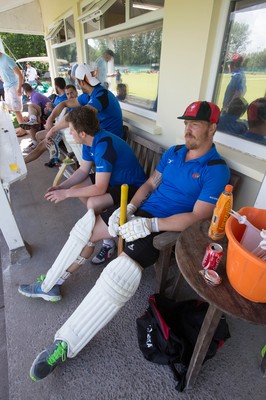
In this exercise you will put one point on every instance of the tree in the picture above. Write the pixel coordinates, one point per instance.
(21, 46)
(238, 38)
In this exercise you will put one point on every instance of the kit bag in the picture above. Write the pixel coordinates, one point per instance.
(168, 331)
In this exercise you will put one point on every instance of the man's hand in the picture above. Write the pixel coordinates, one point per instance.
(138, 228)
(114, 220)
(56, 195)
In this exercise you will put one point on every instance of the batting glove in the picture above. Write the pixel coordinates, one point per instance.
(114, 219)
(138, 228)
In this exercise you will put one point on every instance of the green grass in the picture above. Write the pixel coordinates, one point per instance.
(145, 85)
(141, 84)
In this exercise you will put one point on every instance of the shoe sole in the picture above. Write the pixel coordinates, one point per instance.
(46, 298)
(28, 127)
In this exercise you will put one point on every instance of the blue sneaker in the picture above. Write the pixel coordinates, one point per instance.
(47, 360)
(35, 290)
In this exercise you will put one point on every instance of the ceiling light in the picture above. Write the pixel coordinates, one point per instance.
(143, 6)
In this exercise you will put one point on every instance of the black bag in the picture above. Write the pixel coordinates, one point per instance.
(168, 331)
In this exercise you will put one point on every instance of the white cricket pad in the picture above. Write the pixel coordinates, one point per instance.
(116, 285)
(78, 239)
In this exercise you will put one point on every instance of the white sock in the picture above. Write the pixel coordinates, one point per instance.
(108, 242)
(62, 279)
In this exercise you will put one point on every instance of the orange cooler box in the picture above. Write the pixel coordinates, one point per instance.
(246, 272)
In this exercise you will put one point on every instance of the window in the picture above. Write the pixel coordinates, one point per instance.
(137, 49)
(62, 36)
(65, 57)
(241, 84)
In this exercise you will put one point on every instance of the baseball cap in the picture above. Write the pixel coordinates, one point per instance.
(86, 73)
(257, 110)
(202, 111)
(236, 59)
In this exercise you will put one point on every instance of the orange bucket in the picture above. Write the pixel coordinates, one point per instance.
(246, 272)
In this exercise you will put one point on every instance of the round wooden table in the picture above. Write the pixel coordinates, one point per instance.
(189, 252)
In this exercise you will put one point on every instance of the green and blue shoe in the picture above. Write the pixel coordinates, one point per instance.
(48, 359)
(35, 290)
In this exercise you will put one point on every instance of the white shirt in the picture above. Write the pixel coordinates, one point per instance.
(31, 74)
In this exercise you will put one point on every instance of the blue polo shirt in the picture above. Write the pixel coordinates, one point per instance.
(185, 182)
(112, 154)
(236, 84)
(59, 99)
(109, 110)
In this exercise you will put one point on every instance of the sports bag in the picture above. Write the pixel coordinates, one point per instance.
(168, 331)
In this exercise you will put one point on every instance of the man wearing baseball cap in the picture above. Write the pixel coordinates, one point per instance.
(95, 96)
(237, 85)
(183, 189)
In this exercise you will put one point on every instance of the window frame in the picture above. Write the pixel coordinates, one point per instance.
(254, 149)
(150, 18)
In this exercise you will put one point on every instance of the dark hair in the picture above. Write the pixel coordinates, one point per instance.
(109, 52)
(84, 119)
(71, 87)
(27, 87)
(60, 82)
(238, 106)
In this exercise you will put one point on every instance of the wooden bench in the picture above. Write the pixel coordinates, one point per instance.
(149, 155)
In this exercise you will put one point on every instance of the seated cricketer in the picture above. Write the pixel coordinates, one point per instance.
(182, 190)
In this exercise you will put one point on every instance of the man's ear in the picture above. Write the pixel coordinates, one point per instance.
(213, 128)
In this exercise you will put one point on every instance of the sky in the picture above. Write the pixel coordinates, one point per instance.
(256, 19)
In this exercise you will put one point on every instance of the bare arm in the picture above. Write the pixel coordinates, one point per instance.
(62, 124)
(144, 192)
(180, 222)
(20, 80)
(99, 188)
(72, 103)
(78, 176)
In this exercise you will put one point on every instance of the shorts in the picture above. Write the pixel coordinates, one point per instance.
(141, 250)
(12, 100)
(115, 191)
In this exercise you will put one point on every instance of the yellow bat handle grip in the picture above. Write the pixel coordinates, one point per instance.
(123, 204)
(123, 213)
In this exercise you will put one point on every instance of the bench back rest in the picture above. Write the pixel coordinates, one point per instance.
(147, 152)
(149, 155)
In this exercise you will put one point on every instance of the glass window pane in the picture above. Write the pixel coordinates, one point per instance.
(115, 15)
(136, 64)
(65, 56)
(70, 27)
(241, 84)
(60, 37)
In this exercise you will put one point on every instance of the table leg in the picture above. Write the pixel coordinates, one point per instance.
(178, 282)
(206, 333)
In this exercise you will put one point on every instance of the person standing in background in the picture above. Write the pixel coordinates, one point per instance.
(102, 65)
(13, 79)
(31, 74)
(237, 85)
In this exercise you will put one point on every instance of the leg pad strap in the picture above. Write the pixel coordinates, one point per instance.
(78, 239)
